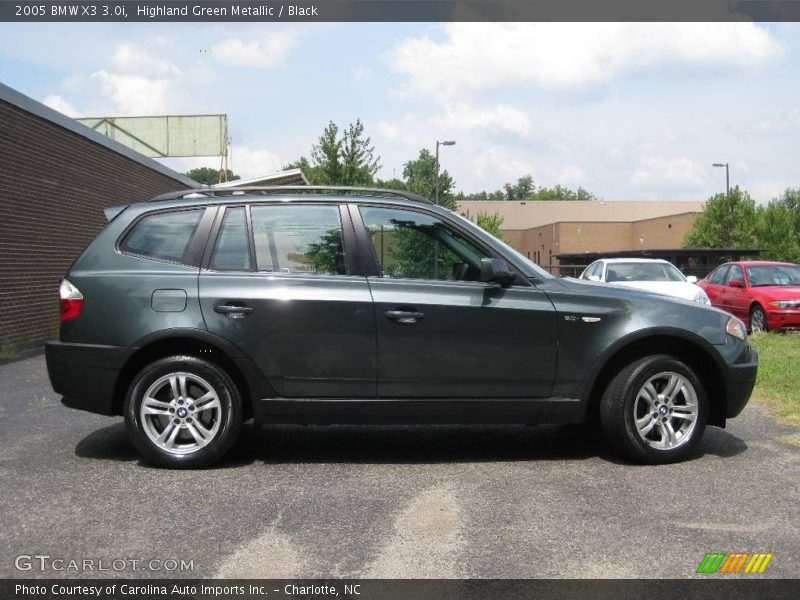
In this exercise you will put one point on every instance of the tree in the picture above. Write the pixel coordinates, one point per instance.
(490, 223)
(391, 184)
(776, 232)
(359, 163)
(326, 157)
(346, 159)
(420, 178)
(209, 176)
(525, 189)
(724, 223)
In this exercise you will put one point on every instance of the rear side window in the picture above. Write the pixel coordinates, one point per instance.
(163, 235)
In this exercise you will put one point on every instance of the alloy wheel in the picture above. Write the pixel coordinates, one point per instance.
(665, 411)
(181, 413)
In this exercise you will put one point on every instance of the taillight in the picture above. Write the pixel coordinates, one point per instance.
(70, 299)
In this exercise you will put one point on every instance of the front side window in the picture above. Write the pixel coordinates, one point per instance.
(298, 239)
(419, 246)
(735, 272)
(163, 235)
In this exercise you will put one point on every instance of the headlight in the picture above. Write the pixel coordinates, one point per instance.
(736, 328)
(785, 304)
(701, 296)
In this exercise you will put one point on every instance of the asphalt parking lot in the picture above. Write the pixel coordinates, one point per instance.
(488, 502)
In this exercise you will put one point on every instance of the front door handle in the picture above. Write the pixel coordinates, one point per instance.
(234, 311)
(404, 317)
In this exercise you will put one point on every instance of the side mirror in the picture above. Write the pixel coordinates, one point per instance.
(735, 283)
(496, 270)
(691, 279)
(593, 278)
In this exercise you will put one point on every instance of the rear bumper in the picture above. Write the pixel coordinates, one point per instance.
(85, 374)
(739, 382)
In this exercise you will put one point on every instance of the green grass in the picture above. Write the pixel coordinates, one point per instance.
(778, 381)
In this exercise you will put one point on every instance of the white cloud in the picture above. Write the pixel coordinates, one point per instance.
(360, 72)
(134, 94)
(571, 55)
(416, 130)
(764, 191)
(462, 116)
(571, 174)
(682, 172)
(269, 52)
(61, 105)
(495, 160)
(785, 123)
(251, 162)
(133, 60)
(138, 81)
(408, 132)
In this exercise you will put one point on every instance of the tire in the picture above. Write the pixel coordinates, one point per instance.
(192, 416)
(758, 320)
(641, 391)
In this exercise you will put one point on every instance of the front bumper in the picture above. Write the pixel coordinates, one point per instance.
(783, 319)
(739, 381)
(85, 374)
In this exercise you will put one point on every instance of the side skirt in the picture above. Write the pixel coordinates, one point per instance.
(528, 411)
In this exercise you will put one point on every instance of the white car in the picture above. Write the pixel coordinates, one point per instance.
(653, 275)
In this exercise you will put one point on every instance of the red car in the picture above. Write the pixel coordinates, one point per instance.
(765, 295)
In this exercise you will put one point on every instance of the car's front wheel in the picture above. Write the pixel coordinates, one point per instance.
(758, 320)
(654, 410)
(183, 412)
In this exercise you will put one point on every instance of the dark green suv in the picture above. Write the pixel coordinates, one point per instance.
(196, 311)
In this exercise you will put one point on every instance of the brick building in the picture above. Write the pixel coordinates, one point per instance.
(543, 231)
(56, 176)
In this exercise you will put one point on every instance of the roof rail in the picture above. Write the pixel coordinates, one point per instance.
(291, 189)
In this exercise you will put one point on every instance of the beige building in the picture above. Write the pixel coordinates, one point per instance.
(544, 230)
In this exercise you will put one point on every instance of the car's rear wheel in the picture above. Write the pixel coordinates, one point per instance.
(758, 320)
(183, 412)
(654, 410)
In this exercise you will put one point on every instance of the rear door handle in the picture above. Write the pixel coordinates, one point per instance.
(234, 311)
(405, 317)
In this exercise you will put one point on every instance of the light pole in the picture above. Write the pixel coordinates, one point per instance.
(727, 195)
(438, 143)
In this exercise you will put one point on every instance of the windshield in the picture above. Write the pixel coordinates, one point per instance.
(643, 272)
(761, 275)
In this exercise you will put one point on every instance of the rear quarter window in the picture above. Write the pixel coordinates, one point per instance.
(163, 235)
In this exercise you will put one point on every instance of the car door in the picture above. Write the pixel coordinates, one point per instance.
(736, 299)
(713, 284)
(442, 333)
(279, 284)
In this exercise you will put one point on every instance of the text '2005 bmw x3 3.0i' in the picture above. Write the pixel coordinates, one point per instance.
(193, 312)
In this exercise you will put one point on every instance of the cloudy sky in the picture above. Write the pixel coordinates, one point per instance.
(628, 111)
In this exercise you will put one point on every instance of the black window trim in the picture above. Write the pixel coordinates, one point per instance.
(368, 256)
(194, 249)
(216, 235)
(213, 239)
